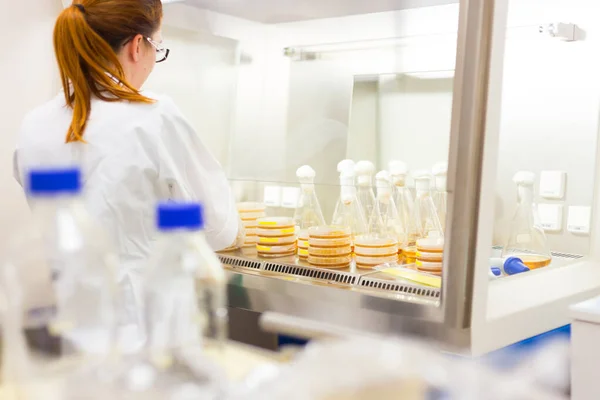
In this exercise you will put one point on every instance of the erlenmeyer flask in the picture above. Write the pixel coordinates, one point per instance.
(526, 239)
(440, 196)
(385, 220)
(364, 181)
(424, 212)
(348, 210)
(308, 213)
(404, 200)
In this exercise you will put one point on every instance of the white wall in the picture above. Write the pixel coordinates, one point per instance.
(363, 129)
(550, 109)
(414, 120)
(28, 78)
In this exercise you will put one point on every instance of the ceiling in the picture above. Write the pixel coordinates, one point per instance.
(278, 11)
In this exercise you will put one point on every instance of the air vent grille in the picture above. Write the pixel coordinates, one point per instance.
(240, 262)
(313, 273)
(404, 288)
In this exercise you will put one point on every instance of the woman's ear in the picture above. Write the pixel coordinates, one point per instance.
(133, 49)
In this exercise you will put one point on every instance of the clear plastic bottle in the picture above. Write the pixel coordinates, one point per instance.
(65, 260)
(526, 239)
(364, 181)
(308, 213)
(404, 199)
(425, 214)
(348, 210)
(185, 316)
(385, 213)
(184, 253)
(440, 195)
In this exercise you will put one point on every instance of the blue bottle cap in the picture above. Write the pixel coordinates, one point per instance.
(514, 265)
(172, 216)
(496, 271)
(52, 181)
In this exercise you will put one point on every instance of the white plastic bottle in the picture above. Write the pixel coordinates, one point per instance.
(184, 265)
(64, 260)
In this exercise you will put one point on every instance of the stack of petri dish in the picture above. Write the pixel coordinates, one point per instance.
(430, 254)
(303, 244)
(276, 237)
(372, 251)
(330, 246)
(250, 212)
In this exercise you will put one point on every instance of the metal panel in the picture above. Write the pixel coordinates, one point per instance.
(468, 130)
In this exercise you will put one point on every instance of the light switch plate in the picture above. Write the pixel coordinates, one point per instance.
(272, 196)
(290, 197)
(551, 217)
(579, 219)
(552, 184)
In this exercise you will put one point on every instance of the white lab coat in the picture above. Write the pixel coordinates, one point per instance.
(135, 156)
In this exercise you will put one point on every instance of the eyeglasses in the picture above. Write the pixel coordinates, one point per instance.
(162, 53)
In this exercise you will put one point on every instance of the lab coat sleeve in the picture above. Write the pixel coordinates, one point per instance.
(192, 173)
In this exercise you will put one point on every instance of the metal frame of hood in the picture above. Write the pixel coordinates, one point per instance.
(451, 322)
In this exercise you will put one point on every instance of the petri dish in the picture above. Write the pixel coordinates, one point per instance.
(250, 240)
(229, 249)
(302, 253)
(372, 262)
(276, 222)
(429, 257)
(251, 218)
(276, 249)
(330, 251)
(276, 255)
(331, 242)
(277, 240)
(250, 206)
(302, 234)
(330, 262)
(428, 266)
(303, 244)
(376, 251)
(431, 244)
(368, 241)
(329, 232)
(276, 232)
(250, 224)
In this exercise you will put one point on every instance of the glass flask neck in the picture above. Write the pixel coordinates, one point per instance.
(399, 181)
(364, 181)
(440, 183)
(307, 188)
(525, 194)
